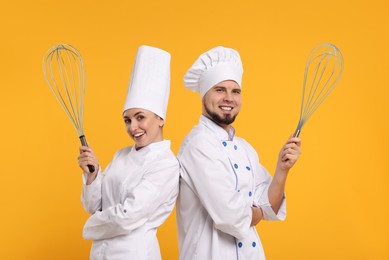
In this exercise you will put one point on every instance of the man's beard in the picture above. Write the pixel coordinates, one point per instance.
(226, 120)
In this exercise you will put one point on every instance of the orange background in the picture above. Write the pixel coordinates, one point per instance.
(337, 193)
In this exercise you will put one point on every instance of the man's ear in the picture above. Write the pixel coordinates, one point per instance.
(161, 122)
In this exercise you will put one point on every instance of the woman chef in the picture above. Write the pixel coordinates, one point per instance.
(137, 191)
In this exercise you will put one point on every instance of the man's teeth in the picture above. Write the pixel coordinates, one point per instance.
(138, 134)
(226, 108)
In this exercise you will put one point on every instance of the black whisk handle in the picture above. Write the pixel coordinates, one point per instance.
(84, 143)
(91, 168)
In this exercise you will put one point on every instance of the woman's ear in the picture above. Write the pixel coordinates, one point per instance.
(161, 122)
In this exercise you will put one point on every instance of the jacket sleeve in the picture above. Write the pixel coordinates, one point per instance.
(206, 169)
(261, 198)
(91, 194)
(262, 182)
(158, 186)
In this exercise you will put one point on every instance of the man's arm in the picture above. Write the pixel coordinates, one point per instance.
(287, 157)
(257, 216)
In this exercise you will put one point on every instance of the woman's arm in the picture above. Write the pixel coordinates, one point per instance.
(158, 187)
(91, 190)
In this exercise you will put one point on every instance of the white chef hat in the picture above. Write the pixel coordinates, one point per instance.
(212, 67)
(150, 81)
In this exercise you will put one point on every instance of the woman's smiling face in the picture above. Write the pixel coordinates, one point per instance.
(143, 126)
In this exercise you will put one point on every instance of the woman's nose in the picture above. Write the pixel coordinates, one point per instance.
(133, 126)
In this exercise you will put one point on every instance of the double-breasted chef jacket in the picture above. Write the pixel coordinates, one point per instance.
(129, 201)
(221, 179)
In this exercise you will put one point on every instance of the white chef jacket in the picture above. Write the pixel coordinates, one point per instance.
(221, 179)
(129, 201)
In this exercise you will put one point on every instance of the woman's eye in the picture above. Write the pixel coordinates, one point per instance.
(139, 118)
(127, 121)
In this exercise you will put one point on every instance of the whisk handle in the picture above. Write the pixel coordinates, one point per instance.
(84, 143)
(297, 133)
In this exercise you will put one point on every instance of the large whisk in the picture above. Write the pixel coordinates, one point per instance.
(323, 70)
(63, 69)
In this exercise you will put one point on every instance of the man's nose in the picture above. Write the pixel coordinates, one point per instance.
(228, 96)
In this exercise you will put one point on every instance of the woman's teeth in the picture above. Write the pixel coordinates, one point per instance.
(138, 134)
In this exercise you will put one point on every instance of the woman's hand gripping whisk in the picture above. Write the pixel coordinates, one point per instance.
(87, 158)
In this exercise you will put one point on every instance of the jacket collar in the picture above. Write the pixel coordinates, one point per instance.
(217, 130)
(149, 151)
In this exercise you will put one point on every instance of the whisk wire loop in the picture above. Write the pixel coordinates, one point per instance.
(323, 70)
(63, 69)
